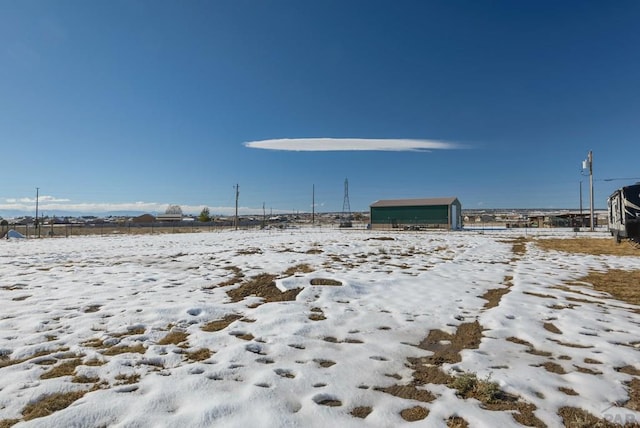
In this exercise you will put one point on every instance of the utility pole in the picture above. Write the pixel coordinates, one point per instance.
(36, 222)
(313, 205)
(237, 187)
(588, 164)
(590, 158)
(264, 217)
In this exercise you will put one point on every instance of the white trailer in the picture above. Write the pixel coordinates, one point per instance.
(624, 213)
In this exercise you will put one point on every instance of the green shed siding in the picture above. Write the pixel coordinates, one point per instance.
(411, 215)
(405, 213)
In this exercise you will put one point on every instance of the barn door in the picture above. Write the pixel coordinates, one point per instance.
(454, 217)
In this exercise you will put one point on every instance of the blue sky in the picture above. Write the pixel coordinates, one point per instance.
(139, 104)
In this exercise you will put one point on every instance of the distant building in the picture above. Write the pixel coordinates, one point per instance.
(144, 218)
(443, 213)
(173, 213)
(169, 217)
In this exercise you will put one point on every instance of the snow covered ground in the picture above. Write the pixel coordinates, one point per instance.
(142, 328)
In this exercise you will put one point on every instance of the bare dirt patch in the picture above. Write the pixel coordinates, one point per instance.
(553, 367)
(568, 391)
(324, 363)
(550, 327)
(493, 297)
(519, 245)
(317, 314)
(630, 370)
(446, 347)
(262, 286)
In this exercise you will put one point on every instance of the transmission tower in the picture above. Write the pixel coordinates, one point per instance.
(345, 220)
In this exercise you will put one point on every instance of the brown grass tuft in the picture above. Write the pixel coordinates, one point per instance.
(262, 286)
(173, 338)
(301, 268)
(123, 349)
(218, 325)
(66, 368)
(573, 417)
(361, 412)
(416, 413)
(550, 327)
(408, 392)
(51, 403)
(199, 354)
(325, 281)
(123, 379)
(457, 422)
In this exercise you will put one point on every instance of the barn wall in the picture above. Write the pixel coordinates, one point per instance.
(429, 216)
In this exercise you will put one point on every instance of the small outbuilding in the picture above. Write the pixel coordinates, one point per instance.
(445, 213)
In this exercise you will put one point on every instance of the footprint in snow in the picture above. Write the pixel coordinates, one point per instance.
(285, 373)
(378, 358)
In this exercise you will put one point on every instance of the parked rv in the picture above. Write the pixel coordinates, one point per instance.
(624, 213)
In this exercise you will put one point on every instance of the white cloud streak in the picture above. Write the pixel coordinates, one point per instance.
(352, 144)
(51, 204)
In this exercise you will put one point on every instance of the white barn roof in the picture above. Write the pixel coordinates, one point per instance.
(413, 202)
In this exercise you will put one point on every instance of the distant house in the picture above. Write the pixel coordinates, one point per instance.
(144, 218)
(169, 217)
(417, 213)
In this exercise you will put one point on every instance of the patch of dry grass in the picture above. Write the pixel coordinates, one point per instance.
(595, 246)
(131, 331)
(5, 362)
(217, 325)
(199, 354)
(124, 349)
(457, 422)
(622, 284)
(7, 423)
(325, 281)
(573, 417)
(262, 286)
(174, 338)
(361, 412)
(415, 413)
(123, 379)
(301, 268)
(66, 368)
(468, 385)
(51, 403)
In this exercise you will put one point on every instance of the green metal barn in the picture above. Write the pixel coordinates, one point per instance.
(445, 213)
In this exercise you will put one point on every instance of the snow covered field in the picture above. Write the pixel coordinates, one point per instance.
(161, 331)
